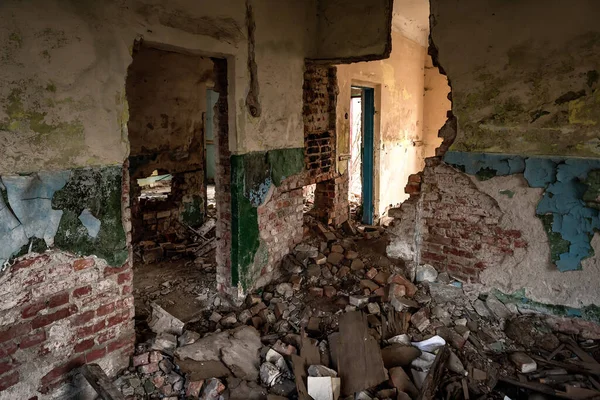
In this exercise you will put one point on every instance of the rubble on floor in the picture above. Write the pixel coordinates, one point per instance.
(346, 322)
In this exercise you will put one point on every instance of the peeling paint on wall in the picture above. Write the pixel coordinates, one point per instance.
(569, 221)
(252, 176)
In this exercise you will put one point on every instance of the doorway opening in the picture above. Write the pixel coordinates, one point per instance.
(360, 192)
(177, 106)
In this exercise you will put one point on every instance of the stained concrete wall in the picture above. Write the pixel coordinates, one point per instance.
(399, 83)
(372, 41)
(64, 65)
(524, 75)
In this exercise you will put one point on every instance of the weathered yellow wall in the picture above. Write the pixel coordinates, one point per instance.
(399, 89)
(525, 75)
(63, 67)
(435, 107)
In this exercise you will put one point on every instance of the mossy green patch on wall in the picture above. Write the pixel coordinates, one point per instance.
(244, 225)
(99, 191)
(285, 163)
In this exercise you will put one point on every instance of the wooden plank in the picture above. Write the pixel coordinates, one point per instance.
(299, 367)
(432, 380)
(360, 362)
(101, 383)
(555, 352)
(574, 366)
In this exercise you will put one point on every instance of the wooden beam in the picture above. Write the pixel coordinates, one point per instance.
(101, 383)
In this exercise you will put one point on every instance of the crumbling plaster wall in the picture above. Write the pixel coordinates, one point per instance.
(399, 83)
(533, 91)
(435, 107)
(527, 144)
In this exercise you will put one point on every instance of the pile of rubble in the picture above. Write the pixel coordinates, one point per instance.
(346, 322)
(182, 242)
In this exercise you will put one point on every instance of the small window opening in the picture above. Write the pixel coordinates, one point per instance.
(156, 186)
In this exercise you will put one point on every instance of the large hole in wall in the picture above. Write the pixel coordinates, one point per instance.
(179, 168)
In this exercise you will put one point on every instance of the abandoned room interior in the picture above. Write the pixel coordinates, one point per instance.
(316, 199)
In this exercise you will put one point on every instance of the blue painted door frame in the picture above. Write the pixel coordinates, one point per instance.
(368, 128)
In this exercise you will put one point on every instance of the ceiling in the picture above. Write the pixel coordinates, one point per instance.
(411, 19)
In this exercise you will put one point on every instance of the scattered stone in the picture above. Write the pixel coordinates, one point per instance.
(320, 259)
(358, 301)
(213, 389)
(357, 264)
(188, 337)
(329, 291)
(481, 309)
(426, 273)
(245, 316)
(343, 271)
(371, 273)
(229, 320)
(321, 370)
(215, 317)
(162, 321)
(316, 291)
(420, 319)
(368, 284)
(351, 255)
(313, 270)
(237, 349)
(401, 303)
(165, 342)
(373, 308)
(497, 307)
(336, 248)
(335, 258)
(285, 289)
(411, 289)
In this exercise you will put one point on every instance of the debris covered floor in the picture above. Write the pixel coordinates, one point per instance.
(347, 322)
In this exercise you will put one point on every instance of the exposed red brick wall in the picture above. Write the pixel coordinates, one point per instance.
(59, 312)
(320, 99)
(461, 232)
(280, 223)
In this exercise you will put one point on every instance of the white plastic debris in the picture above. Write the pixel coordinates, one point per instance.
(424, 361)
(402, 339)
(418, 377)
(323, 388)
(431, 344)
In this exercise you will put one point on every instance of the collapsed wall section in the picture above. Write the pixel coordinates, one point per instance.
(60, 310)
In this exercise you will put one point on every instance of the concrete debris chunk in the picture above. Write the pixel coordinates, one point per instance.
(212, 389)
(165, 342)
(321, 370)
(358, 301)
(497, 307)
(401, 303)
(162, 321)
(237, 349)
(523, 362)
(401, 339)
(420, 319)
(323, 388)
(188, 337)
(269, 373)
(426, 273)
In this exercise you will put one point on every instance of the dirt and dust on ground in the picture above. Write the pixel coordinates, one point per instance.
(346, 322)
